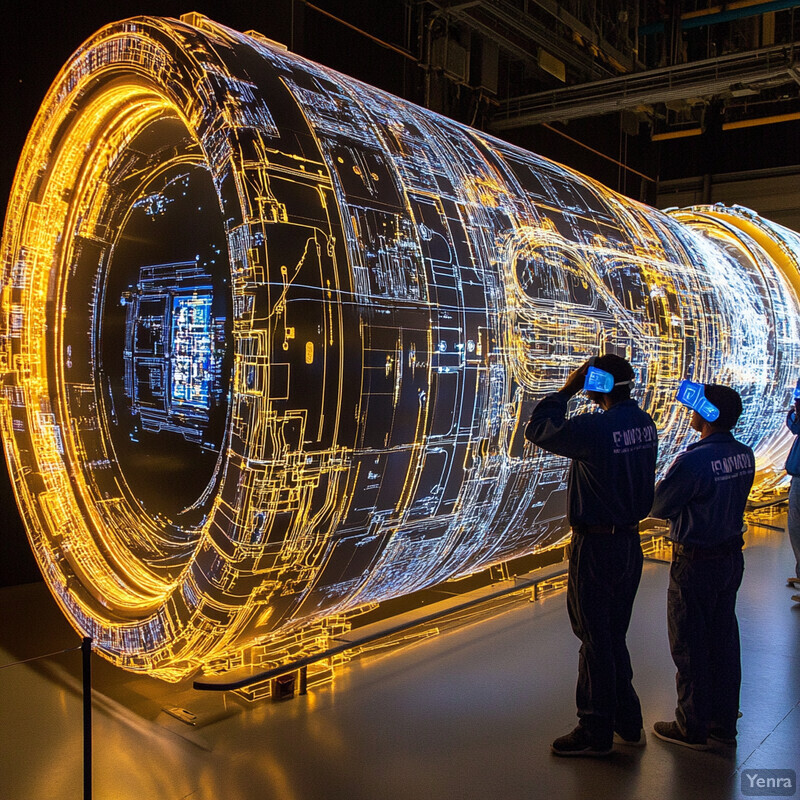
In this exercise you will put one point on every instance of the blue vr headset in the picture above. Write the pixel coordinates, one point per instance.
(692, 395)
(797, 390)
(598, 380)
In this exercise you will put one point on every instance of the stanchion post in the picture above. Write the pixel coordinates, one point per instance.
(86, 650)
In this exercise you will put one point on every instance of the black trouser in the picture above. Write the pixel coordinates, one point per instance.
(704, 640)
(604, 574)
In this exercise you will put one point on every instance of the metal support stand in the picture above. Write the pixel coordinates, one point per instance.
(86, 650)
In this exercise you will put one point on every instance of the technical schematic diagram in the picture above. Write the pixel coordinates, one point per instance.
(270, 338)
(173, 350)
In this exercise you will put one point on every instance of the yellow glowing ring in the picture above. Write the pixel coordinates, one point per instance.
(125, 575)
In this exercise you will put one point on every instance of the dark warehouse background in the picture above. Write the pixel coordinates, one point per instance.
(680, 102)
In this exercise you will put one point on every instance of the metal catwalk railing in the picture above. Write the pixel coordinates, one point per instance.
(678, 82)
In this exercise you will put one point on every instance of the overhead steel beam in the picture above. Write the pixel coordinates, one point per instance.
(726, 12)
(770, 66)
(558, 12)
(519, 34)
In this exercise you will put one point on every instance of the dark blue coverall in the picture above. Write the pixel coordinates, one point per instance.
(610, 489)
(793, 468)
(703, 496)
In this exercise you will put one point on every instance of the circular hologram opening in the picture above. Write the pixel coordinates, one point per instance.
(162, 333)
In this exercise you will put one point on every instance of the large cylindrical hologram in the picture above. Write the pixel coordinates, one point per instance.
(270, 337)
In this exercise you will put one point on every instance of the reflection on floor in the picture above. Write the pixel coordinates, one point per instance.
(467, 714)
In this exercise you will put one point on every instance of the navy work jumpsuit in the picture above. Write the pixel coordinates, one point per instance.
(703, 495)
(610, 489)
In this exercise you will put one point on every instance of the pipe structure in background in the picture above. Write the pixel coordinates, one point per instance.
(269, 339)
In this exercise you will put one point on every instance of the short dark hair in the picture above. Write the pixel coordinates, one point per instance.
(621, 369)
(727, 400)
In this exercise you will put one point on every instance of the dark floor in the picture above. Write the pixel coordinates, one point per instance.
(466, 714)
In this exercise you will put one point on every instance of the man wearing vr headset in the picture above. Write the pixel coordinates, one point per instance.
(610, 489)
(703, 495)
(793, 468)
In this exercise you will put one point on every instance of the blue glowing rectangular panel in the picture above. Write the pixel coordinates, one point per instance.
(192, 351)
